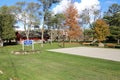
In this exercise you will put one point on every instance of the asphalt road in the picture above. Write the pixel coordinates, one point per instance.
(102, 53)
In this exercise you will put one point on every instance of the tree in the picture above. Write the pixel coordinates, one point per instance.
(7, 21)
(88, 17)
(101, 30)
(26, 13)
(33, 12)
(112, 17)
(46, 4)
(112, 14)
(71, 22)
(54, 24)
(114, 8)
(57, 22)
(88, 34)
(85, 20)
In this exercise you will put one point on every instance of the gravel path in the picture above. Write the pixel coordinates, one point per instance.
(102, 53)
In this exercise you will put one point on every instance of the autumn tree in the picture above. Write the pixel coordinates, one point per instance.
(101, 30)
(71, 22)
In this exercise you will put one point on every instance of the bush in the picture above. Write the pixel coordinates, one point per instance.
(117, 46)
(110, 45)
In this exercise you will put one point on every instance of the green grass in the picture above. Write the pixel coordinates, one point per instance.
(54, 66)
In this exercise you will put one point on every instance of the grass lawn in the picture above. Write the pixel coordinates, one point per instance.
(54, 66)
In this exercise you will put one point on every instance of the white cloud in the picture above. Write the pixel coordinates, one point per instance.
(80, 6)
(87, 4)
(61, 6)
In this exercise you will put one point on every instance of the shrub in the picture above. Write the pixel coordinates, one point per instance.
(110, 45)
(117, 46)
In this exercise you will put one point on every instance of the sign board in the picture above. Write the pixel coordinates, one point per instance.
(28, 43)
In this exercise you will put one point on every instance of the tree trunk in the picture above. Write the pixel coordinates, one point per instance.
(27, 36)
(42, 37)
(51, 38)
(70, 40)
(26, 32)
(1, 42)
(118, 41)
(63, 41)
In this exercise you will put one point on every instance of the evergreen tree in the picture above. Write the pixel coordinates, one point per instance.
(7, 21)
(112, 17)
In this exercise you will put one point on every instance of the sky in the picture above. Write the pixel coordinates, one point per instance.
(80, 4)
(104, 4)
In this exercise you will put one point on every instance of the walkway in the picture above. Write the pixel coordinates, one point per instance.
(102, 53)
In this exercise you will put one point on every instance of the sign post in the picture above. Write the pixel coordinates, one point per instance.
(27, 43)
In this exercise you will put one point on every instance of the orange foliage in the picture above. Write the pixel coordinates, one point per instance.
(71, 22)
(101, 30)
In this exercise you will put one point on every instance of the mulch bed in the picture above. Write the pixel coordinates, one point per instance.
(26, 52)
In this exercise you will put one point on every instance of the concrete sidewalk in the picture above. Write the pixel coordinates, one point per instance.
(102, 53)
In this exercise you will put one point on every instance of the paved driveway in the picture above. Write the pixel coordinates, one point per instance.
(102, 53)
